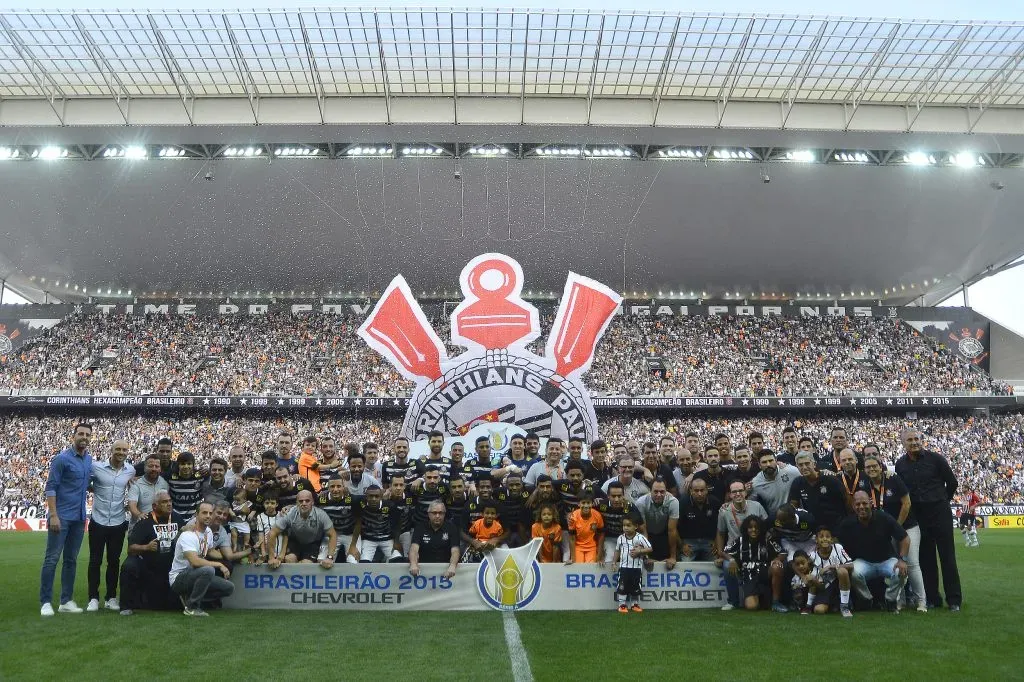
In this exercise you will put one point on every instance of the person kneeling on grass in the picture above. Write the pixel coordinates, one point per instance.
(834, 568)
(753, 558)
(631, 552)
(192, 576)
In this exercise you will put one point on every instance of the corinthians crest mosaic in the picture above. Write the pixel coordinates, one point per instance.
(496, 378)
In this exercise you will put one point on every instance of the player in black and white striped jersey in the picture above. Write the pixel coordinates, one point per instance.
(631, 552)
(399, 463)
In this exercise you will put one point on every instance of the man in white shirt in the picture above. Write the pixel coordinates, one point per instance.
(192, 577)
(109, 523)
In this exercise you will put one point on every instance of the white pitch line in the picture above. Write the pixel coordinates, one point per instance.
(516, 651)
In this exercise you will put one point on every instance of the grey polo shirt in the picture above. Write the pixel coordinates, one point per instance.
(108, 489)
(774, 493)
(307, 530)
(142, 492)
(656, 516)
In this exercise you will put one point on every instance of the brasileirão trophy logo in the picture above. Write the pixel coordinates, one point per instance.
(497, 378)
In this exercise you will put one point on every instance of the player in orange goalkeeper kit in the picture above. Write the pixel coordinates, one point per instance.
(586, 532)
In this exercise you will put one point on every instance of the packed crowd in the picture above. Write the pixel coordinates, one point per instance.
(320, 354)
(986, 453)
(816, 526)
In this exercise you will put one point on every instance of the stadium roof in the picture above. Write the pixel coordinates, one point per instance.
(92, 89)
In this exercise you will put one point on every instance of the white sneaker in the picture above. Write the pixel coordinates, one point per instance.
(70, 607)
(46, 610)
(728, 607)
(922, 607)
(112, 604)
(93, 606)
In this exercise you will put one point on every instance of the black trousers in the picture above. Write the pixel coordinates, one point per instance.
(936, 522)
(109, 539)
(142, 589)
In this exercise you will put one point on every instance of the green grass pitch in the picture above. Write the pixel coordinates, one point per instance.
(980, 643)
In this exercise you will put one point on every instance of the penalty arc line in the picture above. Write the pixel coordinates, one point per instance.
(516, 651)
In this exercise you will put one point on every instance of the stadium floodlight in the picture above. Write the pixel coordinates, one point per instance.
(851, 157)
(9, 153)
(733, 154)
(488, 150)
(170, 153)
(135, 152)
(558, 151)
(967, 160)
(297, 151)
(243, 152)
(919, 159)
(52, 153)
(801, 155)
(370, 150)
(608, 152)
(681, 153)
(422, 150)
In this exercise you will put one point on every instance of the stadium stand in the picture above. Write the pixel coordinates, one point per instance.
(987, 453)
(318, 354)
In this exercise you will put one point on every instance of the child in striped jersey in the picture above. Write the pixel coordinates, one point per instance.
(631, 550)
(834, 567)
(264, 523)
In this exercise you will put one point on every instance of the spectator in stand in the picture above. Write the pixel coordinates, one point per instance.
(320, 354)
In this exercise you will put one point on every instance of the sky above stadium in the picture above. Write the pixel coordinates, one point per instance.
(996, 297)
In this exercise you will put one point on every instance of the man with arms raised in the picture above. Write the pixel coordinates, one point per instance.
(192, 576)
